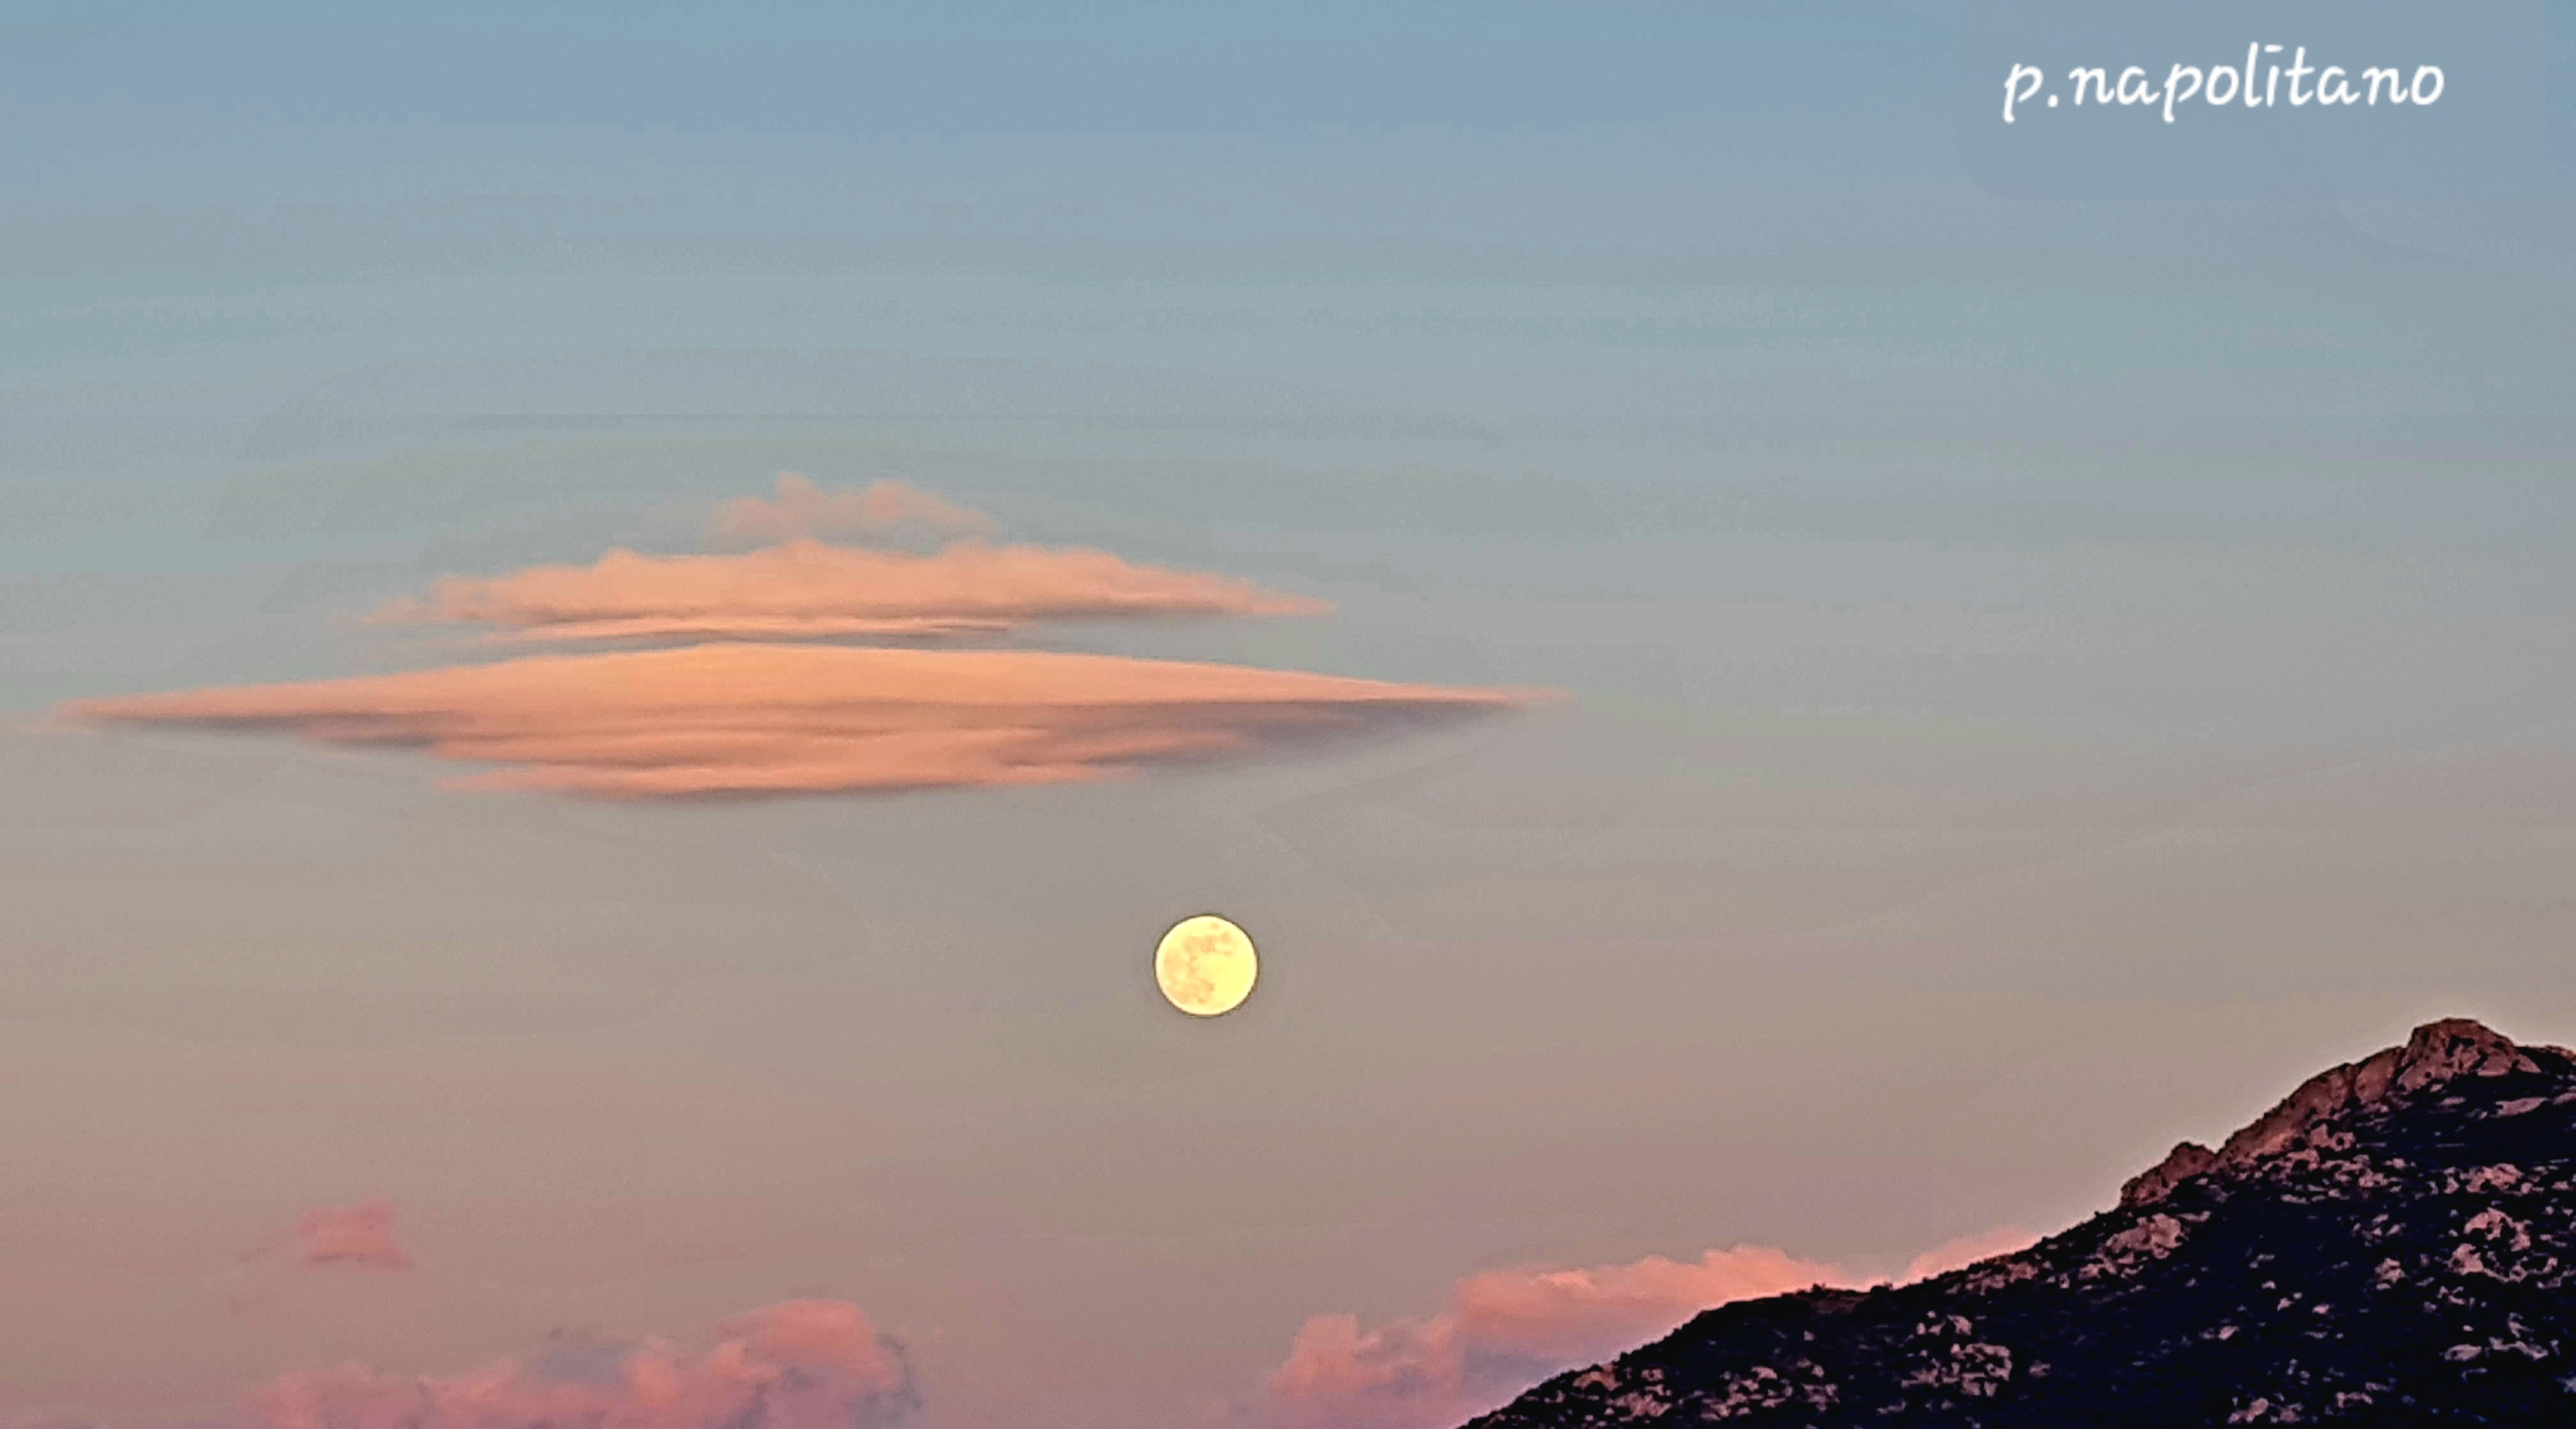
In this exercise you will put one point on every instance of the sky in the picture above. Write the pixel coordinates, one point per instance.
(621, 626)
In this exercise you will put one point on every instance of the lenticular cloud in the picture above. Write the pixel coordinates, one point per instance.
(806, 589)
(755, 719)
(724, 711)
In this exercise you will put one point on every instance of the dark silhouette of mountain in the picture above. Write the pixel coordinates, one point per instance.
(2395, 1244)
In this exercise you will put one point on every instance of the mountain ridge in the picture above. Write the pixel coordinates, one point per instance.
(2394, 1242)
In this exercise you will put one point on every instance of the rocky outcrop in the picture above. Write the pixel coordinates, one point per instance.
(2435, 1054)
(2394, 1243)
(2156, 1182)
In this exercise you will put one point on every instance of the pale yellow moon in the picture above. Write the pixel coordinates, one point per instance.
(1205, 966)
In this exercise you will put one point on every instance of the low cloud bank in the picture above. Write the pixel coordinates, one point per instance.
(1505, 1331)
(803, 1364)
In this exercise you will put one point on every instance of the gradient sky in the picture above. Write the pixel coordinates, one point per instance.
(2057, 643)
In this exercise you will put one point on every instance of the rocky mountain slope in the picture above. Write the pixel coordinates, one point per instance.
(2394, 1244)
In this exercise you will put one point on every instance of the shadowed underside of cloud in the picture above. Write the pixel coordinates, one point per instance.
(804, 1364)
(753, 719)
(805, 589)
(883, 509)
(1507, 1330)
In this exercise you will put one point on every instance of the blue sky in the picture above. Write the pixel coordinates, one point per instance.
(2055, 651)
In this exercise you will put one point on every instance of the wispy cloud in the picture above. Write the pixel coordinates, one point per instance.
(755, 719)
(805, 589)
(804, 1364)
(883, 509)
(361, 1235)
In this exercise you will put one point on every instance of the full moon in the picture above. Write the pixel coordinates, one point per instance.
(1205, 965)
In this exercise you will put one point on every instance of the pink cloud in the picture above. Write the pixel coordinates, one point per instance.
(1402, 1375)
(359, 1235)
(1965, 1251)
(1571, 1314)
(754, 719)
(805, 589)
(1506, 1330)
(885, 508)
(804, 1364)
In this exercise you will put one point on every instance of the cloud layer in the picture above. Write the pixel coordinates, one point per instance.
(807, 589)
(804, 1364)
(754, 719)
(1504, 1331)
(884, 509)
